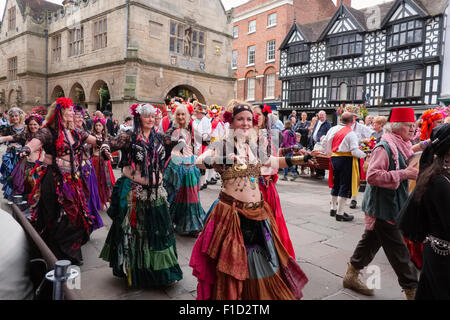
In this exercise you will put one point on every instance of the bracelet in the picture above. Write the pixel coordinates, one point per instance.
(300, 159)
(289, 161)
(25, 150)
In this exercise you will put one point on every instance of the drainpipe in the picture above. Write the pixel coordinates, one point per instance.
(46, 66)
(128, 27)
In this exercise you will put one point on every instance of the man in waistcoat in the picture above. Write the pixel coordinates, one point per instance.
(385, 194)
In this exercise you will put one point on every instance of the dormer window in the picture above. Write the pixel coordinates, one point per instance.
(405, 34)
(345, 46)
(298, 54)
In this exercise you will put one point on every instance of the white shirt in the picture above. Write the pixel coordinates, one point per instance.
(363, 132)
(319, 124)
(201, 127)
(219, 131)
(349, 144)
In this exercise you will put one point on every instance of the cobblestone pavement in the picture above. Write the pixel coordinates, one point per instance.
(322, 245)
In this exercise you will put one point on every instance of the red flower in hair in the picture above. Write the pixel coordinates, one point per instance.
(133, 109)
(102, 120)
(227, 117)
(64, 102)
(190, 108)
(267, 109)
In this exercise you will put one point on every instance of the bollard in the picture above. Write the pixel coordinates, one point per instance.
(59, 276)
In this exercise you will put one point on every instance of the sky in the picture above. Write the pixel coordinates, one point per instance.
(233, 3)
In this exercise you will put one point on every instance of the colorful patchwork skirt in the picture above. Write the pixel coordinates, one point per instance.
(94, 204)
(239, 256)
(270, 194)
(60, 213)
(141, 243)
(182, 182)
(105, 179)
(9, 161)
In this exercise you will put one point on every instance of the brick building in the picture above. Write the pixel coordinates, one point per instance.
(118, 51)
(259, 27)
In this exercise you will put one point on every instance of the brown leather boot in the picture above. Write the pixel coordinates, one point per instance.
(410, 293)
(352, 281)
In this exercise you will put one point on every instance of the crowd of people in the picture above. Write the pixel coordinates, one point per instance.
(243, 248)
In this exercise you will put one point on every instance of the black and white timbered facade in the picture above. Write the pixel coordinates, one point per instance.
(383, 56)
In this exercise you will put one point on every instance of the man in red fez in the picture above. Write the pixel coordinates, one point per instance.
(386, 192)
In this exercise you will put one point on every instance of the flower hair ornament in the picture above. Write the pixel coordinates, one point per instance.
(266, 110)
(34, 116)
(101, 120)
(214, 111)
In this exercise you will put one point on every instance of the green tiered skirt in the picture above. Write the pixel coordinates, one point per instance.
(141, 244)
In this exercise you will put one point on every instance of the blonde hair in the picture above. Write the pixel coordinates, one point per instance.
(181, 108)
(15, 110)
(380, 119)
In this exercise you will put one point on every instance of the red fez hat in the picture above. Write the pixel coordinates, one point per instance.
(402, 115)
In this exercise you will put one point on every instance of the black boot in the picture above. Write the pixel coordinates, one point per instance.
(344, 217)
(333, 213)
(353, 204)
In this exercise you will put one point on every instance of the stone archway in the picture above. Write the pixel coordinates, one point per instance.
(57, 92)
(77, 94)
(100, 96)
(12, 99)
(186, 92)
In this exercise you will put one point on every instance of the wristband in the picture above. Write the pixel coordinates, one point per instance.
(289, 161)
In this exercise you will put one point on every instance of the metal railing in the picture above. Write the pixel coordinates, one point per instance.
(60, 267)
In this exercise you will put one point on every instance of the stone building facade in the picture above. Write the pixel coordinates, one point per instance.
(121, 51)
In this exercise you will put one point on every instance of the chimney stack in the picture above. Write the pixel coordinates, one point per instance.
(348, 3)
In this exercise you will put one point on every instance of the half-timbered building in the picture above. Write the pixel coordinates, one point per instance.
(382, 56)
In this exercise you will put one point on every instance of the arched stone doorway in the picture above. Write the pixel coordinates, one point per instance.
(100, 96)
(12, 99)
(186, 92)
(57, 92)
(78, 95)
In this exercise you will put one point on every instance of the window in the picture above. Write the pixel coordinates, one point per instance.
(345, 46)
(251, 55)
(250, 89)
(56, 48)
(12, 18)
(234, 56)
(76, 41)
(100, 34)
(298, 54)
(198, 44)
(187, 41)
(404, 84)
(300, 91)
(405, 34)
(12, 69)
(270, 50)
(235, 32)
(347, 88)
(252, 26)
(272, 20)
(270, 86)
